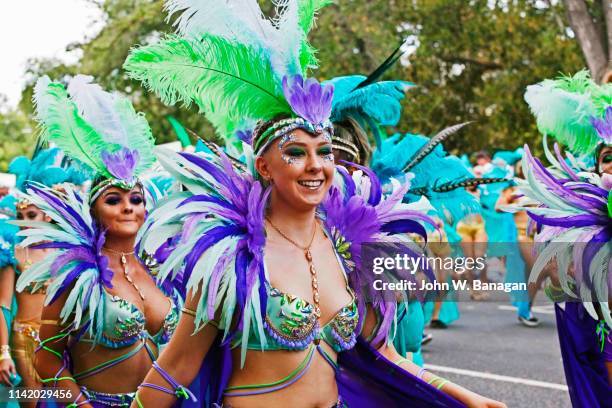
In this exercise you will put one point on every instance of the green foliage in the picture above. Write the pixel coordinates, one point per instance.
(473, 62)
(15, 134)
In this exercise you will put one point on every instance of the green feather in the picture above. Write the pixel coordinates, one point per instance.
(564, 107)
(62, 125)
(227, 81)
(140, 136)
(307, 12)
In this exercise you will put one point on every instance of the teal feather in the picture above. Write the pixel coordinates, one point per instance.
(45, 168)
(181, 133)
(380, 101)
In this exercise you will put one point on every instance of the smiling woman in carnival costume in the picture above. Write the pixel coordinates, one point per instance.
(574, 217)
(272, 256)
(105, 319)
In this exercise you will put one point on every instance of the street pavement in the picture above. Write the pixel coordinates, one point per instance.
(504, 360)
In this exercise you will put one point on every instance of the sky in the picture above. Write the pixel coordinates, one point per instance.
(40, 28)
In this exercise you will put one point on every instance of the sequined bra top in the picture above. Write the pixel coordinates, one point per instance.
(124, 323)
(291, 324)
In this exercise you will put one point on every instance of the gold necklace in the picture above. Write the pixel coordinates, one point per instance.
(124, 264)
(311, 267)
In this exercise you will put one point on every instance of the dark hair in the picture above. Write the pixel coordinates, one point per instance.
(482, 154)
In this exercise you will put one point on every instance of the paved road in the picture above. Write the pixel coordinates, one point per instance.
(488, 340)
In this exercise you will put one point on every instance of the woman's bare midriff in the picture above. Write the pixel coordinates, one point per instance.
(316, 388)
(30, 306)
(111, 380)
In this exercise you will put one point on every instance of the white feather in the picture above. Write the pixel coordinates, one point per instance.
(97, 107)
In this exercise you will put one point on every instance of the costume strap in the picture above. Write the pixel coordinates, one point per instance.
(256, 389)
(177, 390)
(110, 363)
(76, 404)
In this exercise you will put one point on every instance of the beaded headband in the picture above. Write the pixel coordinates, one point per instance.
(346, 146)
(101, 187)
(284, 127)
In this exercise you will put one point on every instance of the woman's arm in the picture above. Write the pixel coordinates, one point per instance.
(505, 198)
(181, 359)
(469, 398)
(49, 359)
(7, 288)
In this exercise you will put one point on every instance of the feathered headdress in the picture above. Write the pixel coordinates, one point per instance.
(574, 110)
(97, 128)
(235, 65)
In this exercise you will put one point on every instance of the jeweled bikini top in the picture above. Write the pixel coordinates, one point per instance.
(124, 323)
(291, 324)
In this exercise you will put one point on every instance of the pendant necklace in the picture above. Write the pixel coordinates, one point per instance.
(311, 267)
(124, 264)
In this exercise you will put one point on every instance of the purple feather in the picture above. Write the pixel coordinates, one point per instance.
(604, 126)
(76, 254)
(215, 279)
(375, 189)
(206, 241)
(349, 184)
(240, 269)
(71, 277)
(404, 227)
(563, 164)
(575, 221)
(122, 163)
(309, 99)
(245, 135)
(67, 212)
(555, 186)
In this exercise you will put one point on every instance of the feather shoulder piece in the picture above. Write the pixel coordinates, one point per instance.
(357, 213)
(574, 218)
(77, 266)
(211, 239)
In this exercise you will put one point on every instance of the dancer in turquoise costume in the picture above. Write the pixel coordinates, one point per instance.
(573, 210)
(8, 371)
(105, 319)
(271, 255)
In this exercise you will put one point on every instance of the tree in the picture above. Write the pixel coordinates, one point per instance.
(591, 21)
(15, 132)
(471, 60)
